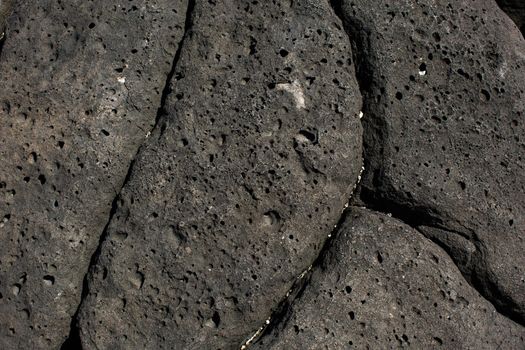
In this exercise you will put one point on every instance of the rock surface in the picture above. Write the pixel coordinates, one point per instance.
(444, 87)
(195, 155)
(382, 284)
(516, 10)
(81, 85)
(239, 185)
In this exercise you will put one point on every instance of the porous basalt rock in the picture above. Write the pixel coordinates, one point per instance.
(238, 187)
(382, 284)
(197, 155)
(444, 105)
(81, 85)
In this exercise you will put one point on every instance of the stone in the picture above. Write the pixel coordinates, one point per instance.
(516, 10)
(239, 185)
(187, 174)
(444, 90)
(382, 285)
(6, 9)
(81, 86)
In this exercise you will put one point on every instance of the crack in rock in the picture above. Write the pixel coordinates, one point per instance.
(394, 181)
(218, 198)
(382, 284)
(73, 341)
(301, 281)
(71, 130)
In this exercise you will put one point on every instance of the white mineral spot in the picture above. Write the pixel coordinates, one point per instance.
(15, 289)
(296, 90)
(121, 80)
(361, 115)
(209, 323)
(502, 71)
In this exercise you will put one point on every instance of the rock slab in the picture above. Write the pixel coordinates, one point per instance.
(444, 87)
(238, 187)
(81, 86)
(383, 285)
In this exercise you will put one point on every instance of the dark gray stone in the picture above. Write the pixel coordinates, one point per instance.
(516, 10)
(81, 84)
(6, 9)
(238, 187)
(383, 285)
(444, 122)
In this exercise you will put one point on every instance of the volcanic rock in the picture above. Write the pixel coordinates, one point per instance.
(81, 85)
(444, 89)
(238, 186)
(383, 285)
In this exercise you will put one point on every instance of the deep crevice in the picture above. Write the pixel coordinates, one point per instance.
(2, 40)
(73, 341)
(282, 313)
(481, 285)
(284, 309)
(374, 134)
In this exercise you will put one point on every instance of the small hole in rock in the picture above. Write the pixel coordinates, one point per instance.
(283, 53)
(49, 280)
(485, 95)
(305, 135)
(216, 319)
(422, 69)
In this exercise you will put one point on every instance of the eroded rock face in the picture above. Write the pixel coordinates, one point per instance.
(238, 187)
(382, 284)
(81, 85)
(444, 90)
(516, 10)
(196, 155)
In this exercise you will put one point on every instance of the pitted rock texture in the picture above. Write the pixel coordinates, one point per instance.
(177, 174)
(81, 85)
(6, 9)
(516, 10)
(444, 88)
(238, 187)
(382, 284)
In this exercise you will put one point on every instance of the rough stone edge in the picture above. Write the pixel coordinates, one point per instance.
(358, 42)
(412, 216)
(73, 341)
(281, 312)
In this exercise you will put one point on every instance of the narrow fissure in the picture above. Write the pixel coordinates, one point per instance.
(2, 40)
(473, 280)
(283, 310)
(411, 216)
(373, 135)
(73, 341)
